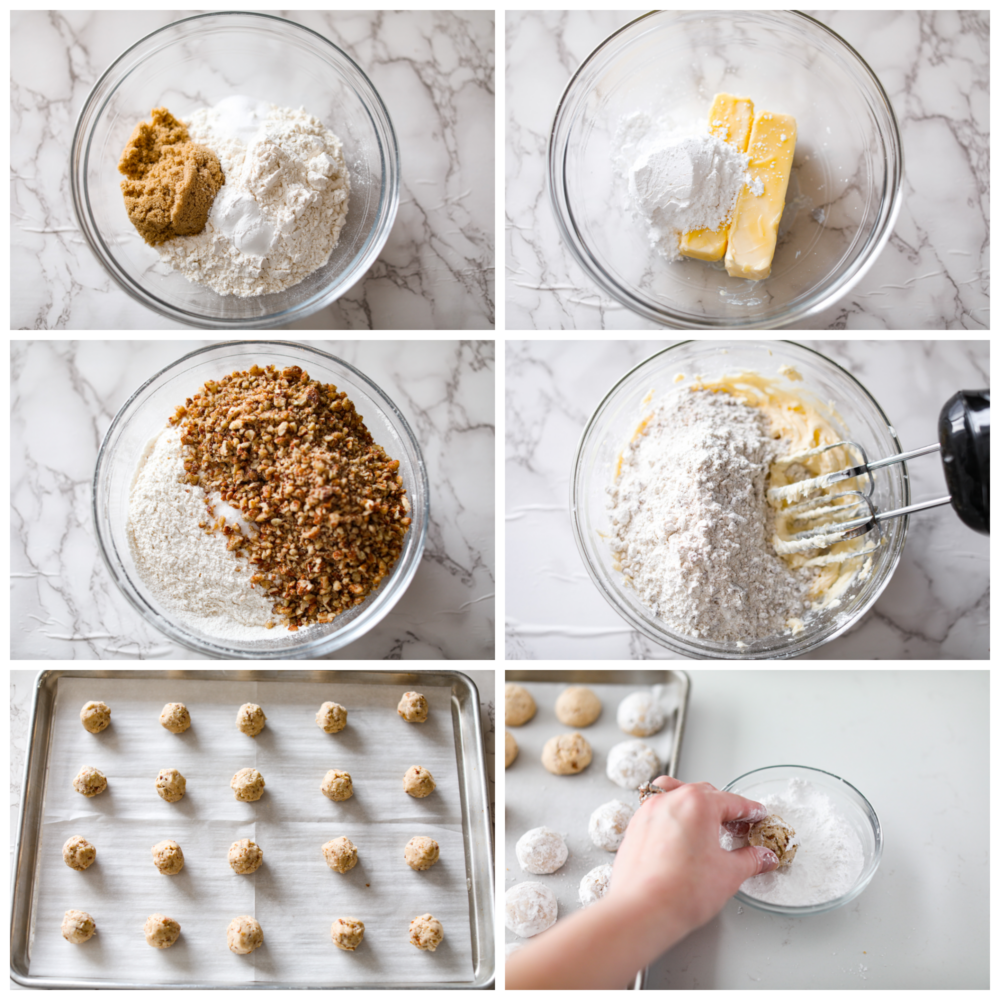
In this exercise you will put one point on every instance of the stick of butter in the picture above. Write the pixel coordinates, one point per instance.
(730, 119)
(753, 233)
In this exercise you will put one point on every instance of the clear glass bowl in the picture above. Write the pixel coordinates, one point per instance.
(850, 802)
(845, 187)
(197, 62)
(145, 415)
(825, 384)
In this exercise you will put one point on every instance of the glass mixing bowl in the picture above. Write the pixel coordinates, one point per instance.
(850, 803)
(195, 63)
(836, 394)
(844, 193)
(145, 415)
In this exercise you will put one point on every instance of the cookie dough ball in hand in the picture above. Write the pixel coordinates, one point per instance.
(640, 714)
(96, 717)
(578, 707)
(250, 719)
(168, 857)
(631, 763)
(421, 852)
(518, 705)
(426, 932)
(566, 754)
(247, 784)
(541, 851)
(78, 926)
(509, 750)
(595, 884)
(243, 935)
(413, 707)
(347, 933)
(608, 823)
(79, 854)
(175, 717)
(337, 786)
(340, 854)
(170, 785)
(529, 908)
(331, 717)
(418, 782)
(245, 857)
(776, 835)
(161, 931)
(90, 782)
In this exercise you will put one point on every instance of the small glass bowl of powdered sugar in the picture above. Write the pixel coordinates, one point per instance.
(837, 833)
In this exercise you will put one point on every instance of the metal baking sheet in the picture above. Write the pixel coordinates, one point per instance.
(464, 787)
(536, 798)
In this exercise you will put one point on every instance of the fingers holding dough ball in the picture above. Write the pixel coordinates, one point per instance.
(96, 717)
(413, 707)
(250, 719)
(78, 926)
(175, 717)
(243, 935)
(509, 750)
(518, 705)
(777, 836)
(347, 933)
(331, 717)
(567, 754)
(578, 707)
(161, 931)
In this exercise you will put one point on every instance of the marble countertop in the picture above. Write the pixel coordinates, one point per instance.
(936, 606)
(435, 73)
(64, 605)
(933, 274)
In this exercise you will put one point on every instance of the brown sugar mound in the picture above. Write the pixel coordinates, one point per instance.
(171, 182)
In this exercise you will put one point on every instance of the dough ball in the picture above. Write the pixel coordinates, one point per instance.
(529, 908)
(243, 935)
(640, 714)
(161, 931)
(509, 750)
(347, 933)
(595, 884)
(78, 926)
(418, 782)
(96, 717)
(250, 719)
(168, 857)
(578, 707)
(566, 754)
(421, 852)
(426, 932)
(541, 851)
(413, 707)
(170, 785)
(340, 854)
(337, 785)
(775, 834)
(245, 857)
(331, 717)
(90, 782)
(175, 717)
(518, 705)
(631, 763)
(79, 854)
(607, 824)
(247, 784)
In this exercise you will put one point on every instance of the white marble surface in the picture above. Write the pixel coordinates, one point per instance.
(936, 605)
(933, 274)
(63, 398)
(433, 69)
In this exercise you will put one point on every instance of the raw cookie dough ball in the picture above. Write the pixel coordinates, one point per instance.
(413, 707)
(607, 824)
(175, 717)
(247, 784)
(337, 785)
(418, 782)
(331, 717)
(90, 782)
(79, 854)
(775, 834)
(640, 714)
(595, 884)
(168, 857)
(541, 851)
(243, 935)
(529, 908)
(347, 933)
(509, 750)
(250, 719)
(578, 707)
(566, 754)
(245, 857)
(421, 852)
(631, 763)
(340, 854)
(78, 926)
(518, 705)
(426, 932)
(96, 717)
(161, 931)
(170, 785)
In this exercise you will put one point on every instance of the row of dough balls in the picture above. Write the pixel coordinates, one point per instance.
(246, 856)
(639, 714)
(629, 763)
(244, 934)
(250, 718)
(248, 784)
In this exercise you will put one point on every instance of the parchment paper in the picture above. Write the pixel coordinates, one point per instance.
(294, 895)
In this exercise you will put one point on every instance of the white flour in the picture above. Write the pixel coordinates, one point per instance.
(829, 859)
(691, 525)
(283, 205)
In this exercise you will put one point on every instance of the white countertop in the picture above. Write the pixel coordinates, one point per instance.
(433, 69)
(933, 274)
(935, 606)
(64, 395)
